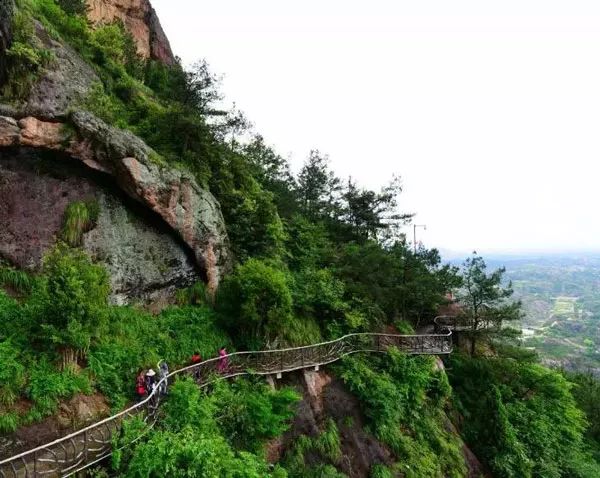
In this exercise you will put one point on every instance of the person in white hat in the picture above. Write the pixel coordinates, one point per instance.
(150, 381)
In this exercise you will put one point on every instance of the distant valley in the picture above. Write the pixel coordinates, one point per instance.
(561, 300)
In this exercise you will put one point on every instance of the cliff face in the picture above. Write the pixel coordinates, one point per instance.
(158, 228)
(141, 20)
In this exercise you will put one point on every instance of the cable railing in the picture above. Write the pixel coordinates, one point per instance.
(79, 450)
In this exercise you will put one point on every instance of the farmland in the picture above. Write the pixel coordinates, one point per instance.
(561, 299)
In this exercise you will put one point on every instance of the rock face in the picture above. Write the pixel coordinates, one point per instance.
(145, 262)
(66, 83)
(63, 85)
(6, 10)
(141, 20)
(172, 195)
(325, 397)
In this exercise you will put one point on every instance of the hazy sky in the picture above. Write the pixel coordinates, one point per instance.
(490, 111)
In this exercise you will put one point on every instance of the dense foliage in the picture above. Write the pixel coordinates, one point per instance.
(404, 397)
(521, 418)
(212, 436)
(316, 257)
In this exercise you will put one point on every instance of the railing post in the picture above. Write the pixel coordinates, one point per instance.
(35, 464)
(85, 446)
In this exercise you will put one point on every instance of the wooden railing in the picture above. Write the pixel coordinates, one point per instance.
(84, 448)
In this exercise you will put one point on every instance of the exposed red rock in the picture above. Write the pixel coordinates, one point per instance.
(141, 20)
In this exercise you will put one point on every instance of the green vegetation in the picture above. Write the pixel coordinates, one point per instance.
(328, 447)
(403, 398)
(80, 217)
(316, 257)
(26, 58)
(193, 438)
(63, 339)
(521, 418)
(486, 304)
(586, 391)
(17, 281)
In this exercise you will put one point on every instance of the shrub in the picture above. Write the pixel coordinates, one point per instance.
(46, 386)
(19, 281)
(9, 422)
(73, 7)
(190, 444)
(26, 58)
(256, 301)
(249, 412)
(12, 373)
(70, 301)
(194, 456)
(136, 339)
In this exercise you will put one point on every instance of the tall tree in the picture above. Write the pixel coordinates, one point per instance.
(373, 215)
(273, 173)
(318, 187)
(485, 301)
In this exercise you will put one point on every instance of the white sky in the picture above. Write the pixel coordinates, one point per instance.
(490, 111)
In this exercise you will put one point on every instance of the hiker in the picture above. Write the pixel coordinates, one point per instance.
(140, 385)
(196, 359)
(163, 373)
(223, 364)
(150, 381)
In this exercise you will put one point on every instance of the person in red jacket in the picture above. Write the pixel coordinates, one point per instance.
(140, 385)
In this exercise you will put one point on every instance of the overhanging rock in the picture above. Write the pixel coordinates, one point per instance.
(173, 194)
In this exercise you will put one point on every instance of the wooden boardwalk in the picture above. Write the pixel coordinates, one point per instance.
(84, 448)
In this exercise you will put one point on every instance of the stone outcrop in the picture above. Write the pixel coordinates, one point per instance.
(145, 262)
(173, 195)
(6, 10)
(141, 20)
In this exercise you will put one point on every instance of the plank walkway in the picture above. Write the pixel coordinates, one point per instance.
(84, 448)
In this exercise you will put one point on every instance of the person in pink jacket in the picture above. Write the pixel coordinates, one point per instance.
(223, 364)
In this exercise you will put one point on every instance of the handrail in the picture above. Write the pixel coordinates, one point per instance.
(79, 450)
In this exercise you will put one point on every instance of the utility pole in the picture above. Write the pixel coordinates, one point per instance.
(415, 234)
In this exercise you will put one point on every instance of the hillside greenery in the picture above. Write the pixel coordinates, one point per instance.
(316, 257)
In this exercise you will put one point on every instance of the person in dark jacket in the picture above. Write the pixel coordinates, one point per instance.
(195, 360)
